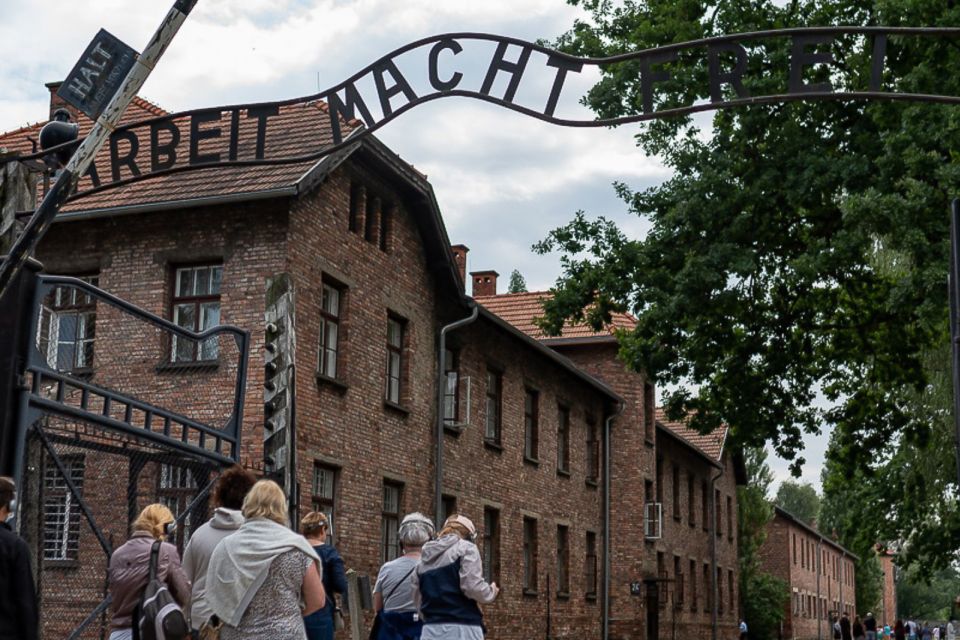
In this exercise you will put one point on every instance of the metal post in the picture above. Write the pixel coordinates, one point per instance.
(84, 155)
(955, 321)
(355, 606)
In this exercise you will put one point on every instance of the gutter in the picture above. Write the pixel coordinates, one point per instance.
(713, 544)
(605, 621)
(105, 212)
(441, 386)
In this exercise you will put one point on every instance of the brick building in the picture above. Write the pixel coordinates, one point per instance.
(887, 615)
(819, 571)
(360, 239)
(661, 583)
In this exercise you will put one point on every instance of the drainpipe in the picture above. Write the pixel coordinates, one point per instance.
(605, 623)
(819, 571)
(843, 569)
(441, 385)
(713, 542)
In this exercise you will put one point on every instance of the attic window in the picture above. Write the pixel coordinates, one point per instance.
(371, 215)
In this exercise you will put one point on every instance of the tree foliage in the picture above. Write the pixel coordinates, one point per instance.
(922, 599)
(800, 500)
(757, 287)
(517, 282)
(763, 596)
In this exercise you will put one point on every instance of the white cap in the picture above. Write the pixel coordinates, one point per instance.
(463, 521)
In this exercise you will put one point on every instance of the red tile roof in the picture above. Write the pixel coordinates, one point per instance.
(520, 310)
(285, 136)
(711, 444)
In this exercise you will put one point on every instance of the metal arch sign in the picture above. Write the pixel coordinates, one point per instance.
(381, 92)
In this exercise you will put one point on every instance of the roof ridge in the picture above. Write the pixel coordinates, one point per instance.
(150, 106)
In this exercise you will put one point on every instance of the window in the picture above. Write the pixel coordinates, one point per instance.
(729, 518)
(529, 555)
(177, 488)
(693, 585)
(676, 492)
(61, 510)
(67, 328)
(491, 544)
(678, 585)
(324, 494)
(593, 451)
(386, 225)
(563, 440)
(707, 587)
(531, 425)
(330, 307)
(691, 509)
(357, 197)
(649, 411)
(662, 582)
(794, 548)
(448, 506)
(730, 590)
(371, 219)
(563, 560)
(704, 506)
(719, 590)
(390, 520)
(659, 479)
(591, 568)
(716, 505)
(451, 391)
(494, 404)
(395, 331)
(196, 306)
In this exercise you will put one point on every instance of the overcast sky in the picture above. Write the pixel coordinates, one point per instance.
(502, 179)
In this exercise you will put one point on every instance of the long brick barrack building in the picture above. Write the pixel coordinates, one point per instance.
(595, 511)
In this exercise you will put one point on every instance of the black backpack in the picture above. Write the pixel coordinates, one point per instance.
(158, 616)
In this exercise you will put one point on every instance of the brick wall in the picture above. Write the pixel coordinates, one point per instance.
(634, 451)
(820, 576)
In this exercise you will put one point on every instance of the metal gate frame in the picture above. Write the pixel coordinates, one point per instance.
(178, 440)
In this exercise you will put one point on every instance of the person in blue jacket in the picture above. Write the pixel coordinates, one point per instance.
(450, 586)
(315, 527)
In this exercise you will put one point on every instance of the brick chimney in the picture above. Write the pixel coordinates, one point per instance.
(56, 102)
(460, 255)
(484, 283)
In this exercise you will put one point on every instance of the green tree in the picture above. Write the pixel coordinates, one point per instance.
(927, 599)
(763, 596)
(757, 286)
(799, 500)
(517, 283)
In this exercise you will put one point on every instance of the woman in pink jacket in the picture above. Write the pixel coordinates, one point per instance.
(130, 569)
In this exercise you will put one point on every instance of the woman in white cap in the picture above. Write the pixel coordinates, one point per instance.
(450, 585)
(397, 617)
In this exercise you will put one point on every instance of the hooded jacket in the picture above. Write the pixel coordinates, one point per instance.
(196, 558)
(448, 582)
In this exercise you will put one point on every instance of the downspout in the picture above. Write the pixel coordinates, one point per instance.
(441, 385)
(843, 570)
(714, 631)
(605, 622)
(819, 571)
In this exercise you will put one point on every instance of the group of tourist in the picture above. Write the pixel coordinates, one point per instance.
(245, 575)
(868, 629)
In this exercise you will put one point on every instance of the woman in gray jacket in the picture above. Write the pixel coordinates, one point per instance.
(232, 487)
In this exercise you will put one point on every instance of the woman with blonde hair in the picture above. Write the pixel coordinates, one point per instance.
(450, 586)
(129, 569)
(257, 576)
(315, 528)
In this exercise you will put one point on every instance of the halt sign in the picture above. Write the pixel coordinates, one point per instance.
(95, 79)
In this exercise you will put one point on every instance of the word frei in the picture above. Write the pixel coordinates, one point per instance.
(381, 92)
